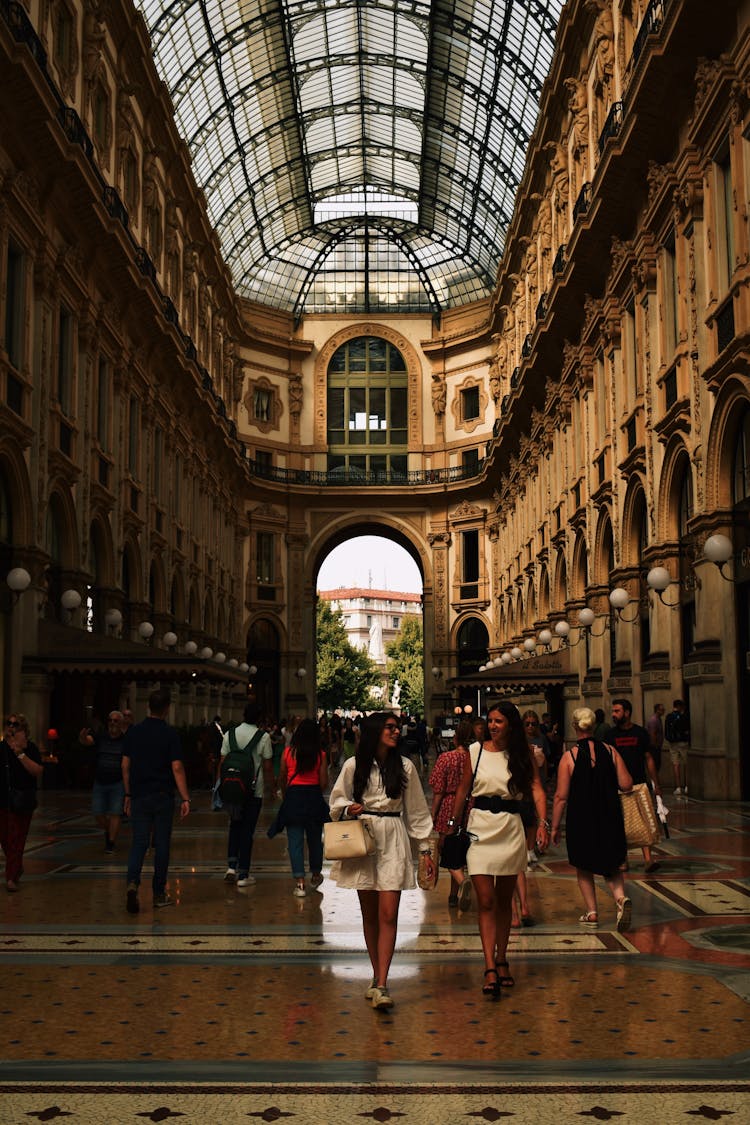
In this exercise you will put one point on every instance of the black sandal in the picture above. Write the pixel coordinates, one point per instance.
(505, 979)
(491, 988)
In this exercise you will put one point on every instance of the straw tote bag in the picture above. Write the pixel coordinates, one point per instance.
(348, 839)
(639, 815)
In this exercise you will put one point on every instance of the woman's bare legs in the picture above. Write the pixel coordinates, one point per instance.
(494, 896)
(588, 890)
(380, 923)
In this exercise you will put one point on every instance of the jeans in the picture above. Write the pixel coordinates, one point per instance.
(295, 834)
(241, 832)
(151, 814)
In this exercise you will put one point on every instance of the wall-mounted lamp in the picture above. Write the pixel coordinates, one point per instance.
(145, 630)
(620, 599)
(206, 653)
(719, 549)
(169, 639)
(529, 645)
(545, 639)
(18, 580)
(245, 667)
(190, 648)
(70, 600)
(113, 619)
(437, 673)
(301, 673)
(233, 662)
(220, 657)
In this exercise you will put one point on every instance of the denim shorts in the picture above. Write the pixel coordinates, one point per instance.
(107, 800)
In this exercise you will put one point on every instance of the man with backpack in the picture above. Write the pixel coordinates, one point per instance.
(246, 766)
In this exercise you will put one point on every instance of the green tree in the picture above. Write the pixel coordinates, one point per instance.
(406, 664)
(345, 674)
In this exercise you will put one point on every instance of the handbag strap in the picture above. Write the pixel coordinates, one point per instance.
(465, 810)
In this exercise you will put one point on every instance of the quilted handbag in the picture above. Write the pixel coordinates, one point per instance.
(639, 815)
(348, 839)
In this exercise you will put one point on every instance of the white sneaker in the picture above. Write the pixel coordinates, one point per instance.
(371, 989)
(678, 792)
(299, 891)
(230, 875)
(247, 881)
(381, 997)
(532, 858)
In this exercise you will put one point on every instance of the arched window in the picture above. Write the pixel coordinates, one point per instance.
(367, 409)
(741, 476)
(472, 643)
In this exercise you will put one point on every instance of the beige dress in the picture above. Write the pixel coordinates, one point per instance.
(500, 846)
(391, 868)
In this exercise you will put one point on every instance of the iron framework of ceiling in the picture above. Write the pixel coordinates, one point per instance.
(287, 104)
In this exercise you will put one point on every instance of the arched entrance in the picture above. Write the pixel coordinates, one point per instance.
(372, 601)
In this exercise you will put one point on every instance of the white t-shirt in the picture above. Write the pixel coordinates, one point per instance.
(263, 749)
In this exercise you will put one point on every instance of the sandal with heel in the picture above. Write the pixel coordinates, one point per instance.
(505, 979)
(491, 988)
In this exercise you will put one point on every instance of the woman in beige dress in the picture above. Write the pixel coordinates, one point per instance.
(506, 773)
(380, 784)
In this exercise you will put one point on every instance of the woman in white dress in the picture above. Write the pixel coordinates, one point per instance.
(506, 773)
(379, 784)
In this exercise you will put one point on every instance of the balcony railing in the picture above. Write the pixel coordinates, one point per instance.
(541, 308)
(526, 346)
(74, 129)
(651, 23)
(612, 125)
(560, 261)
(358, 478)
(583, 202)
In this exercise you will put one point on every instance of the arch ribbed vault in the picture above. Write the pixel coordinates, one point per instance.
(302, 115)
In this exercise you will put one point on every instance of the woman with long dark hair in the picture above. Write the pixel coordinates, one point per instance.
(378, 783)
(302, 778)
(504, 773)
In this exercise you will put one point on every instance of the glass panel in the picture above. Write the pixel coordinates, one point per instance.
(398, 409)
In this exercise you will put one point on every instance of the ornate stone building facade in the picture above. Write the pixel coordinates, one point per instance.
(179, 455)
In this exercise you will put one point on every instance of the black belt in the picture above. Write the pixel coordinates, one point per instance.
(497, 804)
(373, 812)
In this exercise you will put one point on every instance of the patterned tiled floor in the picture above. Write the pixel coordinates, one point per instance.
(247, 1005)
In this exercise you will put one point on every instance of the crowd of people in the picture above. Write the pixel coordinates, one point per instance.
(494, 781)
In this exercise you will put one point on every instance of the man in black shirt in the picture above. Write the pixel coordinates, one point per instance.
(151, 768)
(634, 747)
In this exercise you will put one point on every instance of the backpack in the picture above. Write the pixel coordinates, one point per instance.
(236, 774)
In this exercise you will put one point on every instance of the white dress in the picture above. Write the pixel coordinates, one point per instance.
(500, 847)
(391, 868)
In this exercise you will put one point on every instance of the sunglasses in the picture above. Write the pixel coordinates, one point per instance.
(390, 726)
(13, 725)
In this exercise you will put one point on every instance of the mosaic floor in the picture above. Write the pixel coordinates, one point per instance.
(247, 1004)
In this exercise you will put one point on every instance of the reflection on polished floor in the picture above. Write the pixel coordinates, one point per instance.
(247, 1004)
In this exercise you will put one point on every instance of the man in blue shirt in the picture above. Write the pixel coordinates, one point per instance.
(151, 769)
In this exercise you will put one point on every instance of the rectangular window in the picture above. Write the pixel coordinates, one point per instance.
(134, 436)
(600, 400)
(65, 360)
(670, 297)
(470, 462)
(261, 404)
(470, 404)
(396, 622)
(263, 460)
(264, 550)
(336, 415)
(725, 217)
(177, 489)
(469, 564)
(14, 302)
(629, 357)
(368, 620)
(103, 404)
(158, 467)
(398, 415)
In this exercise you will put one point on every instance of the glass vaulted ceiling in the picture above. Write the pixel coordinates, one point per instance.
(357, 155)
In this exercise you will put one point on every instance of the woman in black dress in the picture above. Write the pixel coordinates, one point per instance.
(588, 779)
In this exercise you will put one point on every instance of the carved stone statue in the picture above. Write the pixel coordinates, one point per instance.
(579, 107)
(94, 37)
(558, 162)
(439, 395)
(604, 40)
